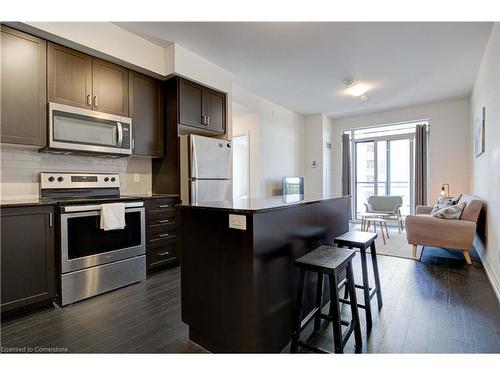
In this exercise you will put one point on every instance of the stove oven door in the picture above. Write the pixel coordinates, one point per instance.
(84, 244)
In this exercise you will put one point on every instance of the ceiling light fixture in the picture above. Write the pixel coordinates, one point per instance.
(356, 89)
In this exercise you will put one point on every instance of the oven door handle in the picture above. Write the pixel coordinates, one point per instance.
(97, 207)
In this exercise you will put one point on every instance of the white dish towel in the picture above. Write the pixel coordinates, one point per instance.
(112, 216)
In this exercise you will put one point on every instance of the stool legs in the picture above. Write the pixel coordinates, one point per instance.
(376, 275)
(366, 288)
(319, 292)
(354, 307)
(335, 314)
(298, 312)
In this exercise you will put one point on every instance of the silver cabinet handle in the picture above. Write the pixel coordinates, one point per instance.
(51, 219)
(164, 253)
(163, 206)
(120, 134)
(163, 235)
(89, 100)
(96, 101)
(163, 221)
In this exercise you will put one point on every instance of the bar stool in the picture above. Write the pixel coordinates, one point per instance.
(333, 262)
(363, 241)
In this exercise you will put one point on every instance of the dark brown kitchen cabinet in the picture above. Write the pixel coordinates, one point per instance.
(201, 107)
(191, 104)
(146, 111)
(69, 77)
(161, 233)
(80, 80)
(27, 268)
(110, 88)
(214, 108)
(23, 96)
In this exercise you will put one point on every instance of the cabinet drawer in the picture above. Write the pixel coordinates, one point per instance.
(161, 204)
(159, 215)
(169, 227)
(162, 254)
(161, 238)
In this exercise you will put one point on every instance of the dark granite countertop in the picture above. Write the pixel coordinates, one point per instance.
(25, 202)
(37, 201)
(262, 204)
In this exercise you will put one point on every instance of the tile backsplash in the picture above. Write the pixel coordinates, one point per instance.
(20, 169)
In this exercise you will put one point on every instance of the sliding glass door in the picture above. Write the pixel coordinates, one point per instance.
(384, 166)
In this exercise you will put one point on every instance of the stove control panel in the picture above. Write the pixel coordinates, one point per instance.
(57, 180)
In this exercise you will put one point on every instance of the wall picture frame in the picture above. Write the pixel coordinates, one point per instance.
(479, 132)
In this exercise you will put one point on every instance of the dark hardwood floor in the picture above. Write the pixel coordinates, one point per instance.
(438, 305)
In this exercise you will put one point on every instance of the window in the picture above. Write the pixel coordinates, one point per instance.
(383, 163)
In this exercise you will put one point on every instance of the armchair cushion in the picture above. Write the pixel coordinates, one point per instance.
(426, 230)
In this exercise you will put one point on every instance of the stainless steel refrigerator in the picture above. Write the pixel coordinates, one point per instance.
(206, 169)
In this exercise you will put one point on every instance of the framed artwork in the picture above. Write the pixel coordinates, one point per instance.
(479, 133)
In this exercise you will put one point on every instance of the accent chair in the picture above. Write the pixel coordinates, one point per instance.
(387, 205)
(425, 230)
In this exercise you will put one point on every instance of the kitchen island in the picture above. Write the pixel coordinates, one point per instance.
(238, 281)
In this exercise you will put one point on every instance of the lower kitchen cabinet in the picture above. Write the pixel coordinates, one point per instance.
(161, 233)
(27, 268)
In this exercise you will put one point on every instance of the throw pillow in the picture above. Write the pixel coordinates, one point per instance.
(457, 198)
(442, 202)
(450, 212)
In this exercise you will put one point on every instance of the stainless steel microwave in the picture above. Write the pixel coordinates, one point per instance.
(74, 130)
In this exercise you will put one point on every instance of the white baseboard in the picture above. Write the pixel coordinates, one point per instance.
(495, 283)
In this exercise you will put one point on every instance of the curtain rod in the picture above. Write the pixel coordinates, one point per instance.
(387, 124)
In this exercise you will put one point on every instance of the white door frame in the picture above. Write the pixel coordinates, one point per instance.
(245, 134)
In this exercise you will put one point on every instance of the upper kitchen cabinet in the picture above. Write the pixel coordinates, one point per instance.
(80, 80)
(69, 77)
(23, 94)
(146, 109)
(110, 88)
(214, 107)
(191, 104)
(201, 107)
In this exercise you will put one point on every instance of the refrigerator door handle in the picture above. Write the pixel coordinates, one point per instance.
(194, 163)
(193, 192)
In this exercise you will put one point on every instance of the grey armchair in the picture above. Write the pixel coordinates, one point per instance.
(389, 206)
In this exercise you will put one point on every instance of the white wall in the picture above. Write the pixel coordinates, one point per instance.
(486, 167)
(449, 142)
(313, 154)
(21, 167)
(327, 157)
(277, 134)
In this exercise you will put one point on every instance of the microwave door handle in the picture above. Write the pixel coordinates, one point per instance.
(120, 134)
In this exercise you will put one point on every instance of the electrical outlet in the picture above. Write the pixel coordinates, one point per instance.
(238, 222)
(137, 177)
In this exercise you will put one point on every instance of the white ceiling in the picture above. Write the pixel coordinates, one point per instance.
(301, 65)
